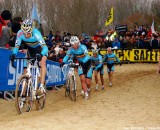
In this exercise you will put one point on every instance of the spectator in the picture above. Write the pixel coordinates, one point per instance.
(5, 31)
(154, 42)
(140, 43)
(94, 45)
(16, 26)
(50, 38)
(57, 48)
(61, 55)
(58, 36)
(52, 56)
(116, 43)
(66, 45)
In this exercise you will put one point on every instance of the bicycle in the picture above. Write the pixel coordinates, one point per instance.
(27, 86)
(70, 85)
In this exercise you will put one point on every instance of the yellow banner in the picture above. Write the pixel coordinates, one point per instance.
(135, 55)
(110, 17)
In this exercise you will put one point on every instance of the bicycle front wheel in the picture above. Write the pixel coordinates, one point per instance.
(23, 95)
(67, 88)
(40, 97)
(73, 93)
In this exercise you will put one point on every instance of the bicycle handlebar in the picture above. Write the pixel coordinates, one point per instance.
(26, 58)
(73, 65)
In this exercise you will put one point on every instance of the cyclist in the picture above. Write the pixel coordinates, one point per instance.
(110, 59)
(84, 70)
(36, 45)
(97, 61)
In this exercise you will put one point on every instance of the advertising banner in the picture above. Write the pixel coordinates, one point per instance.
(10, 75)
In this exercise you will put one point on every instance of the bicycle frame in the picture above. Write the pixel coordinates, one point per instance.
(70, 74)
(70, 79)
(71, 68)
(27, 91)
(33, 73)
(33, 76)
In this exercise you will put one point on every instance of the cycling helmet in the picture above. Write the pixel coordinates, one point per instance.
(95, 51)
(109, 49)
(74, 40)
(26, 26)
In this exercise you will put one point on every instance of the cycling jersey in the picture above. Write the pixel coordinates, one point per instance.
(110, 59)
(97, 61)
(82, 55)
(35, 41)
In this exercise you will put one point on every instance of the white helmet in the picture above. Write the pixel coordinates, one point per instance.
(109, 49)
(74, 40)
(26, 26)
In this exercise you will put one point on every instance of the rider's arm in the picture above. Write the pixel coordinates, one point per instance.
(68, 55)
(86, 53)
(41, 41)
(18, 42)
(100, 62)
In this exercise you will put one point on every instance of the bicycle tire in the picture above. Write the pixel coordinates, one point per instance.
(18, 98)
(67, 88)
(73, 93)
(40, 102)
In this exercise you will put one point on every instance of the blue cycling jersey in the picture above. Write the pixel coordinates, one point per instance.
(110, 58)
(81, 54)
(34, 41)
(97, 61)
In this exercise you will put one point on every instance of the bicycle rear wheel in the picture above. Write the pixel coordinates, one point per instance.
(23, 95)
(40, 97)
(73, 93)
(67, 88)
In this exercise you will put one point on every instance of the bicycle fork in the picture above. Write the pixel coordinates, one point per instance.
(73, 82)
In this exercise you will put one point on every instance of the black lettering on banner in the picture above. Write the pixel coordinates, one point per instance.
(156, 55)
(126, 55)
(147, 55)
(136, 55)
(151, 54)
(142, 55)
(119, 53)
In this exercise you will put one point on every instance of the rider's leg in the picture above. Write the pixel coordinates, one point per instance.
(96, 79)
(88, 78)
(101, 77)
(88, 82)
(102, 80)
(43, 73)
(43, 69)
(111, 77)
(24, 84)
(83, 83)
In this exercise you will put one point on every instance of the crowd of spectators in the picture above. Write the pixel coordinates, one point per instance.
(139, 36)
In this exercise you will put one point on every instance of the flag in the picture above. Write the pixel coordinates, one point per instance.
(152, 28)
(152, 31)
(35, 17)
(110, 18)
